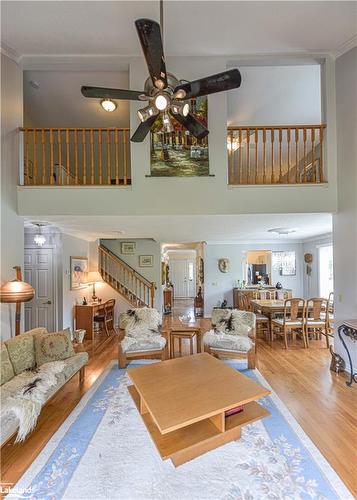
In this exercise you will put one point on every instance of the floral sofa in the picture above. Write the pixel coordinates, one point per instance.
(23, 356)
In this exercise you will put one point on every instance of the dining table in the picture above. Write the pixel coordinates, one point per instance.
(269, 308)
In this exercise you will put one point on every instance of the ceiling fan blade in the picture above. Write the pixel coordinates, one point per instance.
(143, 129)
(227, 80)
(192, 124)
(102, 93)
(150, 38)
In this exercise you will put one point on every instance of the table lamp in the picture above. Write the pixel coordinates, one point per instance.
(16, 291)
(92, 278)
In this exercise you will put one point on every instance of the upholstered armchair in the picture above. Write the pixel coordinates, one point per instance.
(142, 335)
(232, 335)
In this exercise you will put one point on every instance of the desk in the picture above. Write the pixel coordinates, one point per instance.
(84, 318)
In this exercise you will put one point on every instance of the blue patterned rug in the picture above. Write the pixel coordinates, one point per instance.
(104, 452)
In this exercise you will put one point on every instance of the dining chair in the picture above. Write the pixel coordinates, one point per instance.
(267, 294)
(262, 322)
(316, 318)
(292, 320)
(105, 316)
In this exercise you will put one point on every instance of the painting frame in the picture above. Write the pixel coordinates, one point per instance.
(78, 272)
(128, 247)
(284, 262)
(146, 261)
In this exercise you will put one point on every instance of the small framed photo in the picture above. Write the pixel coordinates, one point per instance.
(146, 260)
(128, 247)
(79, 269)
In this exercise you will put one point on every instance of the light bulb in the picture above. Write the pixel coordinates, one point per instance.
(161, 102)
(180, 108)
(145, 113)
(108, 105)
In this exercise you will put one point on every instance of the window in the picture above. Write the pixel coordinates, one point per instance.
(325, 271)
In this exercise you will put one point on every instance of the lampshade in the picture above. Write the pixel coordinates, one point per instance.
(93, 277)
(16, 291)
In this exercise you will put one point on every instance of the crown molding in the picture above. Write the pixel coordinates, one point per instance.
(10, 53)
(346, 46)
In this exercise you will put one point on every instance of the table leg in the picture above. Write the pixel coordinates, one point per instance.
(199, 342)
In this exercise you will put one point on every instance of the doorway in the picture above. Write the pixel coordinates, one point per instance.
(183, 272)
(325, 270)
(257, 267)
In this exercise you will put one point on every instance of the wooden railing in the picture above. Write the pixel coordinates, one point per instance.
(75, 156)
(125, 280)
(288, 154)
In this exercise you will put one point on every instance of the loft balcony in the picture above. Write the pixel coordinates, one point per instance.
(257, 155)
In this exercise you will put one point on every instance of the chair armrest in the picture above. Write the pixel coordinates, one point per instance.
(252, 334)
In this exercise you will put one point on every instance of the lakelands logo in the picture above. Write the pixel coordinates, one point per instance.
(7, 488)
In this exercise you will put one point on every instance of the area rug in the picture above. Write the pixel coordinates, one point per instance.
(104, 452)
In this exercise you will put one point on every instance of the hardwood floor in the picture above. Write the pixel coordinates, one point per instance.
(319, 400)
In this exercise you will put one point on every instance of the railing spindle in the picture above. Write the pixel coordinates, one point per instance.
(67, 156)
(288, 139)
(43, 139)
(305, 159)
(109, 168)
(59, 164)
(272, 155)
(321, 170)
(91, 139)
(34, 146)
(84, 156)
(280, 155)
(100, 161)
(297, 155)
(240, 155)
(125, 160)
(256, 155)
(116, 157)
(52, 166)
(76, 156)
(248, 155)
(264, 155)
(27, 159)
(312, 135)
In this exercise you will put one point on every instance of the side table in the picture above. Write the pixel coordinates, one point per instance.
(184, 333)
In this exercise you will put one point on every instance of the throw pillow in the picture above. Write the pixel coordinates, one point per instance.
(7, 370)
(21, 352)
(53, 347)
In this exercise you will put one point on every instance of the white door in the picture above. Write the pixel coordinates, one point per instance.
(325, 271)
(38, 271)
(182, 274)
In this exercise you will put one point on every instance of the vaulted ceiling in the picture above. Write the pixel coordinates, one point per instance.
(191, 27)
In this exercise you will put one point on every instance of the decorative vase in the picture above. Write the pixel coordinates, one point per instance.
(278, 286)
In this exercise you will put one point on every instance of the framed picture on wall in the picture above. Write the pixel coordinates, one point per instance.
(79, 269)
(146, 260)
(284, 262)
(128, 247)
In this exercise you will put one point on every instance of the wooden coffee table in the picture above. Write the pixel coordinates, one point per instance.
(183, 402)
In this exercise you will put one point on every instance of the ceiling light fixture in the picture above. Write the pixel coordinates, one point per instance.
(180, 108)
(161, 101)
(108, 105)
(282, 230)
(146, 113)
(39, 238)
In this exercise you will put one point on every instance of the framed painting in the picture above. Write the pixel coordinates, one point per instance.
(79, 269)
(146, 260)
(128, 247)
(284, 262)
(178, 153)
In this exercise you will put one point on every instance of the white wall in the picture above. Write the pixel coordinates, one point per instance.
(58, 101)
(143, 247)
(74, 247)
(188, 196)
(12, 229)
(276, 95)
(311, 282)
(219, 286)
(345, 221)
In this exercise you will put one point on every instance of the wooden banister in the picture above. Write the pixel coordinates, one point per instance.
(134, 287)
(266, 154)
(83, 156)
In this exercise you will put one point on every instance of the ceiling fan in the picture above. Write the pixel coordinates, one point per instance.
(165, 93)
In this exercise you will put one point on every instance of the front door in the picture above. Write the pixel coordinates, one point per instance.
(38, 271)
(182, 274)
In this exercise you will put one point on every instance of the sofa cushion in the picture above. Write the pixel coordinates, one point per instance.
(7, 370)
(149, 343)
(36, 331)
(21, 352)
(74, 363)
(53, 347)
(223, 341)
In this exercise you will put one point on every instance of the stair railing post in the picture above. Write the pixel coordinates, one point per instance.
(152, 293)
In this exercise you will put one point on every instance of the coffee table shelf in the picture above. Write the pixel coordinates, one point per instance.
(183, 402)
(198, 438)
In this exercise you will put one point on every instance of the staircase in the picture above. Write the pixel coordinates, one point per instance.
(130, 284)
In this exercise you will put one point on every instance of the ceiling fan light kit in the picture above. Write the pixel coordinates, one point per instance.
(108, 105)
(165, 93)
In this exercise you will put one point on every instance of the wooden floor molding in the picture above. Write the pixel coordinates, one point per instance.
(319, 400)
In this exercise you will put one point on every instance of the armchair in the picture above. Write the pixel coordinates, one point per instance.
(142, 335)
(232, 335)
